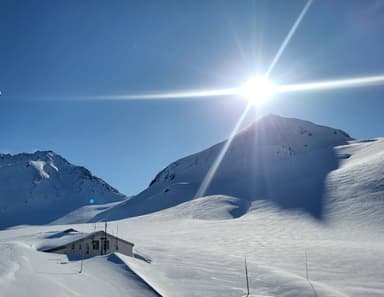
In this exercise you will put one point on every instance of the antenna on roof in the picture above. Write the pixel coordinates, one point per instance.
(105, 238)
(117, 236)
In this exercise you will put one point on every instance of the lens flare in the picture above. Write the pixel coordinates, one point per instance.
(288, 37)
(216, 164)
(355, 82)
(182, 94)
(257, 90)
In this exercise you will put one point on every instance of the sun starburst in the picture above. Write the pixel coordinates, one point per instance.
(257, 90)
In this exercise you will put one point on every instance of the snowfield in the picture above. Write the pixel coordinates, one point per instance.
(197, 257)
(26, 272)
(307, 212)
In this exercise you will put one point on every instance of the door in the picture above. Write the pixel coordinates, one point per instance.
(104, 246)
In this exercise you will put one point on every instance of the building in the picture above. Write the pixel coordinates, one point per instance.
(76, 244)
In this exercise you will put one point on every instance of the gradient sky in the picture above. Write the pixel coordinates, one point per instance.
(54, 52)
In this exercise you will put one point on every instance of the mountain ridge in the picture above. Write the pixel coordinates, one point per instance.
(40, 187)
(259, 157)
(282, 162)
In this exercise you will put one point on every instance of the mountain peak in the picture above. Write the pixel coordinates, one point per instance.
(274, 129)
(271, 116)
(45, 154)
(45, 186)
(276, 158)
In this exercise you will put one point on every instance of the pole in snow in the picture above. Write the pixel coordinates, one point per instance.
(81, 266)
(81, 261)
(246, 275)
(306, 265)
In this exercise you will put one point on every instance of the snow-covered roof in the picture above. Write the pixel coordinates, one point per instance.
(61, 239)
(70, 230)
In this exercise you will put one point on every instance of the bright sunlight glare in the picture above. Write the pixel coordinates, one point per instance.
(257, 90)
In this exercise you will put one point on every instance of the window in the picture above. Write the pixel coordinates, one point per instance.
(73, 246)
(106, 245)
(79, 246)
(95, 244)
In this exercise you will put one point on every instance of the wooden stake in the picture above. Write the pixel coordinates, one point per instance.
(246, 275)
(306, 265)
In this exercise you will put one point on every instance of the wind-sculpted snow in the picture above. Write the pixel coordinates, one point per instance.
(277, 159)
(193, 257)
(40, 187)
(355, 191)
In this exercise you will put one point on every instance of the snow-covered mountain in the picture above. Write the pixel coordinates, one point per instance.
(283, 160)
(195, 247)
(40, 187)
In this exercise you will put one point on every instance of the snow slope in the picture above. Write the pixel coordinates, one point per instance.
(355, 191)
(352, 194)
(196, 246)
(40, 187)
(197, 257)
(26, 272)
(277, 159)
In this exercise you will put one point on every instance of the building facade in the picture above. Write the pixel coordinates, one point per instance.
(94, 244)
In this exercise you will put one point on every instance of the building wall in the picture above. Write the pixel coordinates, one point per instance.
(93, 246)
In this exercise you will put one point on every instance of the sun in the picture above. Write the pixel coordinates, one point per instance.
(257, 90)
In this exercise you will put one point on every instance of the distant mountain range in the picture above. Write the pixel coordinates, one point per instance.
(292, 164)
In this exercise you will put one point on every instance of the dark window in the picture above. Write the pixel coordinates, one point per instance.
(79, 246)
(95, 244)
(106, 245)
(73, 246)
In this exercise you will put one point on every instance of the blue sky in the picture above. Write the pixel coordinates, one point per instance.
(54, 52)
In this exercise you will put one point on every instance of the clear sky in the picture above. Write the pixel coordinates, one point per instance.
(54, 52)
